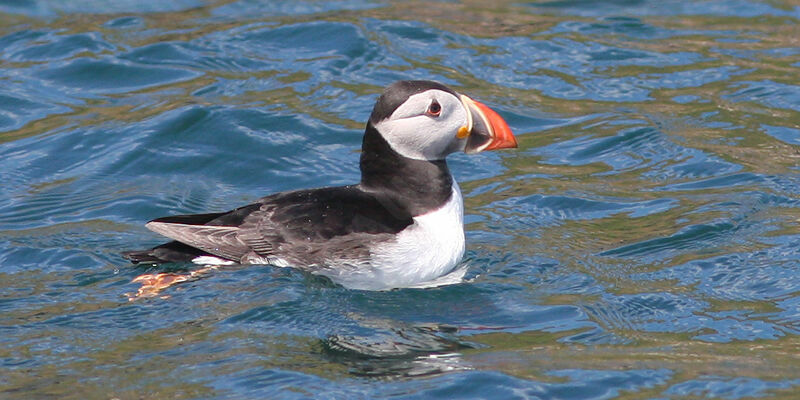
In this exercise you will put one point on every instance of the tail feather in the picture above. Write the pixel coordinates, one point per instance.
(171, 252)
(175, 252)
(190, 219)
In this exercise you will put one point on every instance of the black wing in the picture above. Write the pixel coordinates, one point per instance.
(289, 224)
(309, 225)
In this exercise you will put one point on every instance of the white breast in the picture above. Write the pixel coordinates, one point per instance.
(429, 248)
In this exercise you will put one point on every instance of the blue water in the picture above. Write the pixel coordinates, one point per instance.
(643, 241)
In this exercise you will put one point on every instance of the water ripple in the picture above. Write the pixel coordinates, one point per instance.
(642, 241)
(103, 76)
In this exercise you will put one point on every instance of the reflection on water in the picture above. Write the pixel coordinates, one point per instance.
(397, 349)
(643, 241)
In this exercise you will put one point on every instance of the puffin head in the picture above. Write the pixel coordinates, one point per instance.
(425, 120)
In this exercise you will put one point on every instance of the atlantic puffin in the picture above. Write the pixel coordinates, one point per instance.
(401, 226)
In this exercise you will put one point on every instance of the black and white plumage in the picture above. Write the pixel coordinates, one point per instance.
(402, 225)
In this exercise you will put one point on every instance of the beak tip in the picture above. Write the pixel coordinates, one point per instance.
(501, 136)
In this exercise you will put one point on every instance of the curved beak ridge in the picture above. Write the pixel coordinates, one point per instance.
(486, 129)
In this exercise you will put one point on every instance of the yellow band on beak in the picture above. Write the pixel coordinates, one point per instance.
(465, 130)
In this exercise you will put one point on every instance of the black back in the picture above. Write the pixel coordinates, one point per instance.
(321, 214)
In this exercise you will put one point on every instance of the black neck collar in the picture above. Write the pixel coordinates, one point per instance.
(414, 186)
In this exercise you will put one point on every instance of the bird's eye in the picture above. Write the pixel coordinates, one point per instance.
(434, 109)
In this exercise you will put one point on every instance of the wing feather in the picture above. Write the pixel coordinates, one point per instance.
(221, 241)
(302, 227)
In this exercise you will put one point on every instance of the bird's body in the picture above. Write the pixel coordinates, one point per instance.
(400, 226)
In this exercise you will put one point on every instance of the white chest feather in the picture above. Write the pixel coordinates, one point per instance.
(429, 248)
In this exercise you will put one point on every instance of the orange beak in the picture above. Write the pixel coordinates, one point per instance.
(486, 129)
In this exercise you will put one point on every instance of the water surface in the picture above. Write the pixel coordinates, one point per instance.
(643, 241)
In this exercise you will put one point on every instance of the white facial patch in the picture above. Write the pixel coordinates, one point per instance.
(415, 134)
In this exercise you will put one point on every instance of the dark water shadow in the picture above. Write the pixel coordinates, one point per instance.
(400, 350)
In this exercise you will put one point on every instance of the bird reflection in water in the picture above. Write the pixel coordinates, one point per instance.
(398, 349)
(391, 349)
